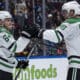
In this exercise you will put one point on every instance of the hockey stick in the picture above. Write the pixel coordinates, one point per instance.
(27, 57)
(26, 61)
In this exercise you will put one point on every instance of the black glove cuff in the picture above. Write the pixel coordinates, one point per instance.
(25, 34)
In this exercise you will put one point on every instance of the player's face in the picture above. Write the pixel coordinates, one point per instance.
(65, 14)
(8, 23)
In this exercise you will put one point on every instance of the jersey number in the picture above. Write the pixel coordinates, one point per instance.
(6, 38)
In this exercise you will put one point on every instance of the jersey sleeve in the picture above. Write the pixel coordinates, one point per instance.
(7, 41)
(53, 36)
(64, 29)
(22, 42)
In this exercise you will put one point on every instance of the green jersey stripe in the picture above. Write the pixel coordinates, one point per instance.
(72, 20)
(74, 61)
(57, 36)
(6, 65)
(13, 48)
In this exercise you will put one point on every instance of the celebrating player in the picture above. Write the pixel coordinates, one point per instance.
(9, 46)
(69, 30)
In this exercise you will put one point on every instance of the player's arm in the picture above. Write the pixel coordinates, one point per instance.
(26, 35)
(8, 42)
(59, 34)
(53, 36)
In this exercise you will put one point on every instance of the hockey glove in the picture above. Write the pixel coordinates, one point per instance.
(22, 64)
(32, 31)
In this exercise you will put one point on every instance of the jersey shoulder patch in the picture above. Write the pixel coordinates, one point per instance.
(63, 26)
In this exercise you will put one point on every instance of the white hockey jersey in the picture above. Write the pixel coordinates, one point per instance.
(71, 32)
(8, 47)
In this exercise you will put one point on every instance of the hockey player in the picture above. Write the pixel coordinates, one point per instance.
(69, 30)
(9, 46)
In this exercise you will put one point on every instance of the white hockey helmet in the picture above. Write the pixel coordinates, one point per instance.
(72, 5)
(4, 15)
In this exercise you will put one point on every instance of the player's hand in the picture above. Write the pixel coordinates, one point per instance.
(22, 64)
(32, 31)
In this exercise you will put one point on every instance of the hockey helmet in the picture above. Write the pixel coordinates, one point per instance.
(4, 15)
(72, 5)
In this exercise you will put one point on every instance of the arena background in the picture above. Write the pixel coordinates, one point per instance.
(46, 61)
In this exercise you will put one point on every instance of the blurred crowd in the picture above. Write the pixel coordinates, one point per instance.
(28, 12)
